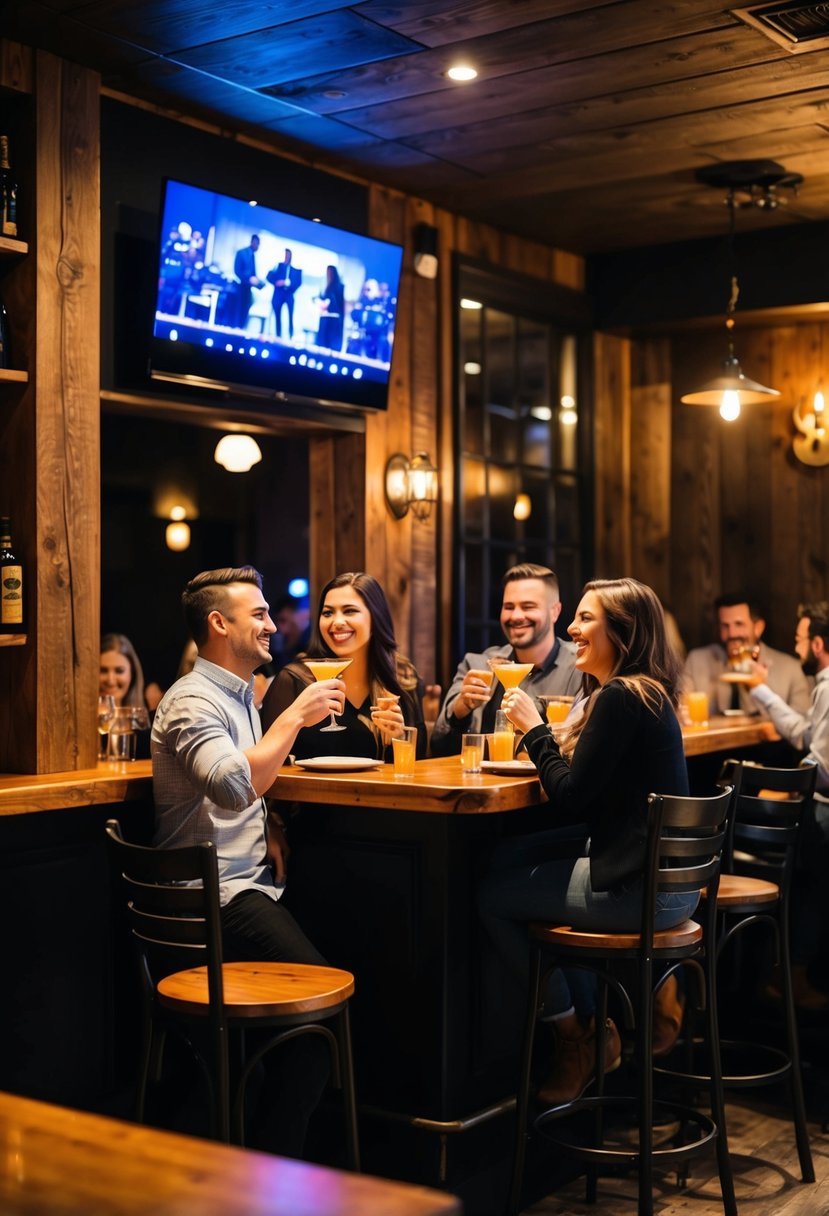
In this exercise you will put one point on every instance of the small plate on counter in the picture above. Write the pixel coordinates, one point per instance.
(337, 764)
(512, 768)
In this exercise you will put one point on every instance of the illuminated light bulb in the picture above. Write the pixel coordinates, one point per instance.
(470, 304)
(523, 507)
(730, 406)
(178, 512)
(568, 417)
(177, 536)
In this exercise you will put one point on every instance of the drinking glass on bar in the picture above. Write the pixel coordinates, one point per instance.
(121, 735)
(106, 712)
(697, 705)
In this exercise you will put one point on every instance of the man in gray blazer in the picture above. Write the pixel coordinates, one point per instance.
(529, 610)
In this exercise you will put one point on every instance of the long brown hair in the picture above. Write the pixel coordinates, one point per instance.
(120, 643)
(646, 662)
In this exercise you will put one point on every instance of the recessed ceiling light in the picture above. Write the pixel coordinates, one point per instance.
(462, 72)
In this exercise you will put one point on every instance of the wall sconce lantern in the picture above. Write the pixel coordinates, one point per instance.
(811, 445)
(411, 484)
(237, 453)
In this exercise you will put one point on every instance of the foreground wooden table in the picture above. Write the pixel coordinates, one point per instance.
(60, 1162)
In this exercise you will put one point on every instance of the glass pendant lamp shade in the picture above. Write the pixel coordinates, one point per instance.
(731, 380)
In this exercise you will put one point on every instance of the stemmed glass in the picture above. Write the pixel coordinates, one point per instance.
(327, 669)
(106, 712)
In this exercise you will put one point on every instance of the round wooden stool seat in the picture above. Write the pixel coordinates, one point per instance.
(735, 890)
(563, 936)
(259, 990)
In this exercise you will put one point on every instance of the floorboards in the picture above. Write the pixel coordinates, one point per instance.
(766, 1177)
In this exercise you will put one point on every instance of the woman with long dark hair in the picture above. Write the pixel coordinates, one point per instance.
(382, 689)
(626, 744)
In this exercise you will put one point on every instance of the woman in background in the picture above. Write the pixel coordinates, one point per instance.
(120, 674)
(332, 308)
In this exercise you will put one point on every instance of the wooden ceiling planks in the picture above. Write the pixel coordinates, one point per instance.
(583, 130)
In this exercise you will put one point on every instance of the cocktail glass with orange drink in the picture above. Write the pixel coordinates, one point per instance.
(511, 674)
(327, 669)
(697, 705)
(502, 740)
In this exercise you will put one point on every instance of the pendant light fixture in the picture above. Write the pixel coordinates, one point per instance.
(748, 184)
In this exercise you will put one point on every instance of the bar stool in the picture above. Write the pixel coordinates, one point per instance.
(172, 922)
(684, 844)
(755, 889)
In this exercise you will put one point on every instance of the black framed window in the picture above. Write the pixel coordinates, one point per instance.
(522, 462)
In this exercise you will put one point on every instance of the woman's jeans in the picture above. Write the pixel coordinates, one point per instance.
(530, 880)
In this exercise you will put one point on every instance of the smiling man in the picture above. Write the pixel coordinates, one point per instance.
(211, 767)
(529, 610)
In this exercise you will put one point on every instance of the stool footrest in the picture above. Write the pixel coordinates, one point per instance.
(605, 1155)
(777, 1067)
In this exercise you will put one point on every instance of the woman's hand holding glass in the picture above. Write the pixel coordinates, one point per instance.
(475, 690)
(521, 710)
(387, 716)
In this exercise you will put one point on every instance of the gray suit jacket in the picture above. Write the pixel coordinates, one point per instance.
(706, 664)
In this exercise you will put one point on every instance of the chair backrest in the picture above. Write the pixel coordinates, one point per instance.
(686, 837)
(172, 906)
(765, 832)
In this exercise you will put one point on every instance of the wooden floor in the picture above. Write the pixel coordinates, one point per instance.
(766, 1178)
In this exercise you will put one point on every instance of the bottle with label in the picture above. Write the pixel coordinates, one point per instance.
(8, 187)
(11, 583)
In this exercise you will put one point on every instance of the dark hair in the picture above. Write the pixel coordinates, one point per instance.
(818, 615)
(382, 647)
(119, 642)
(731, 599)
(646, 662)
(207, 592)
(531, 570)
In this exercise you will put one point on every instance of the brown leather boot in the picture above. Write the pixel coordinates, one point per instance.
(668, 1008)
(575, 1064)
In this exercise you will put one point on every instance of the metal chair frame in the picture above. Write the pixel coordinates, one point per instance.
(173, 913)
(686, 837)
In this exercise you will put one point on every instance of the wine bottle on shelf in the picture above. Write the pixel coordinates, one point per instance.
(4, 337)
(8, 226)
(11, 583)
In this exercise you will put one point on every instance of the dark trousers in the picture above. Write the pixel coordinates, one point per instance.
(258, 929)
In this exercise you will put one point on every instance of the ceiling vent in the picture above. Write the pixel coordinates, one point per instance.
(796, 26)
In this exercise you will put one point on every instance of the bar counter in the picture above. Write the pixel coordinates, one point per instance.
(56, 1160)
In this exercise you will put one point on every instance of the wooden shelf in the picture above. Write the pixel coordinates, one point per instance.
(9, 245)
(13, 639)
(10, 375)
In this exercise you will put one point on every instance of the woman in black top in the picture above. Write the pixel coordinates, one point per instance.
(354, 622)
(626, 744)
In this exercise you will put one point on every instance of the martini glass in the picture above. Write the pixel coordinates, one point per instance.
(511, 674)
(327, 669)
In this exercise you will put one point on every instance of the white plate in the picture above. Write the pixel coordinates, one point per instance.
(342, 764)
(513, 767)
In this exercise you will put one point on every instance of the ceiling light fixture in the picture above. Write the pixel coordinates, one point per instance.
(462, 73)
(237, 453)
(732, 389)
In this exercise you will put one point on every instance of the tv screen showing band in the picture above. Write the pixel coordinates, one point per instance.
(252, 297)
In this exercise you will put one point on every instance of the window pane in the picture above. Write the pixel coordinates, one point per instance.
(500, 384)
(533, 391)
(567, 531)
(472, 435)
(502, 490)
(473, 475)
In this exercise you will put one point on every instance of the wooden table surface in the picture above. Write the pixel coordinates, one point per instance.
(437, 786)
(60, 1162)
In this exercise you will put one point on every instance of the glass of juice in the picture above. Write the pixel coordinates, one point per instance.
(404, 748)
(472, 754)
(502, 740)
(697, 706)
(556, 708)
(327, 669)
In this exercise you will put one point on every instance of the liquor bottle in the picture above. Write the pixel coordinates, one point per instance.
(9, 191)
(4, 337)
(11, 583)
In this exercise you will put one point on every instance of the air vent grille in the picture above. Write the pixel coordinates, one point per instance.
(796, 26)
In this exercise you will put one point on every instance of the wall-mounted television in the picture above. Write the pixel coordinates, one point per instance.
(254, 299)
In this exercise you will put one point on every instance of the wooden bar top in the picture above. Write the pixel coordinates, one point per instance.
(437, 786)
(54, 1160)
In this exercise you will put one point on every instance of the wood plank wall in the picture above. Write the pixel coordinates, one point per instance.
(711, 506)
(47, 706)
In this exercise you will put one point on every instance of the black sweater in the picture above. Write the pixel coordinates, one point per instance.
(625, 752)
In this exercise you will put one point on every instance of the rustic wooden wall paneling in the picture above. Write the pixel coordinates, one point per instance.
(68, 407)
(650, 465)
(611, 442)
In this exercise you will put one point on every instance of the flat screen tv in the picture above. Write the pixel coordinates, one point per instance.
(253, 299)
